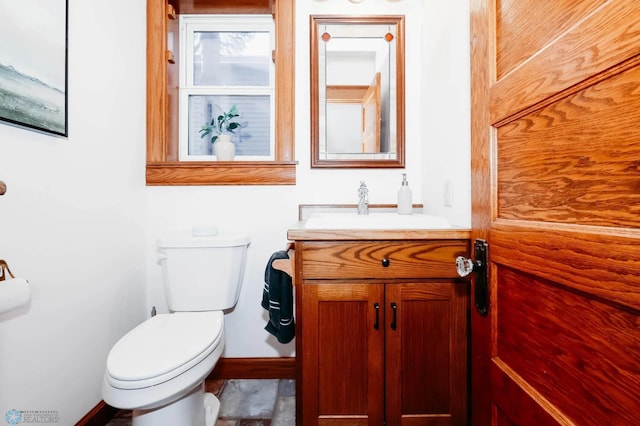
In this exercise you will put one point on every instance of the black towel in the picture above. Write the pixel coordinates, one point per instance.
(277, 298)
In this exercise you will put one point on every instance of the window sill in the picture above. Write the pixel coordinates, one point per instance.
(221, 173)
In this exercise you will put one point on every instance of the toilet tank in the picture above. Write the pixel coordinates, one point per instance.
(202, 273)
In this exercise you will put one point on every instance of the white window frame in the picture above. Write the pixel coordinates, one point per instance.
(189, 24)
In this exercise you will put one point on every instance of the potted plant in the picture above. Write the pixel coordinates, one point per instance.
(221, 128)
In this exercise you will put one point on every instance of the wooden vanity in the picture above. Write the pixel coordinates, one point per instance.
(381, 326)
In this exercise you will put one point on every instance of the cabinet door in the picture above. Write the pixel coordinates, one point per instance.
(342, 354)
(426, 353)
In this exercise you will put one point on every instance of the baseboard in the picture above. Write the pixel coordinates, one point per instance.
(226, 368)
(254, 368)
(98, 416)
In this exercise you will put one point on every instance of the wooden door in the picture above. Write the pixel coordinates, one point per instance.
(342, 354)
(370, 105)
(426, 353)
(556, 193)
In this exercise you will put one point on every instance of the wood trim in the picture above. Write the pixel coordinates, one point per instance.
(284, 11)
(162, 165)
(483, 74)
(223, 173)
(346, 94)
(254, 368)
(156, 81)
(236, 6)
(505, 381)
(377, 235)
(98, 416)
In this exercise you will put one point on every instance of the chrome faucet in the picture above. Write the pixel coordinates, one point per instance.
(363, 198)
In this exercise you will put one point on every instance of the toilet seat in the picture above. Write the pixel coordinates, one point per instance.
(163, 347)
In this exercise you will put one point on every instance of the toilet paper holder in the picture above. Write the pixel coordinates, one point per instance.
(4, 270)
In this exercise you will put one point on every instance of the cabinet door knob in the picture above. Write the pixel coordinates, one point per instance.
(386, 262)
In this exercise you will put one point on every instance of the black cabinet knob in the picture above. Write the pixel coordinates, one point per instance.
(385, 262)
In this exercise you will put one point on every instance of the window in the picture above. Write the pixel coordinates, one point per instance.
(164, 166)
(227, 61)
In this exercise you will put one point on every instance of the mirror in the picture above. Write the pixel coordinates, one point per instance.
(357, 92)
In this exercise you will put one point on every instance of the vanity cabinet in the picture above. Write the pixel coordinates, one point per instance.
(381, 332)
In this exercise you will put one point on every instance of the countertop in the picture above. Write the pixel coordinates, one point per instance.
(299, 233)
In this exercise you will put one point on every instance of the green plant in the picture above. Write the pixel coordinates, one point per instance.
(224, 124)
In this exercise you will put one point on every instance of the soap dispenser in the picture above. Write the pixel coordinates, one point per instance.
(405, 204)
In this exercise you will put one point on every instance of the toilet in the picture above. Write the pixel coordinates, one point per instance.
(158, 368)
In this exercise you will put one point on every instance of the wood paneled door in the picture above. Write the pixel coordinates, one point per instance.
(556, 194)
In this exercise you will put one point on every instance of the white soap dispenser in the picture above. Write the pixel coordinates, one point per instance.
(405, 203)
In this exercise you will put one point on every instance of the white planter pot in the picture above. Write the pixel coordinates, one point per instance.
(225, 149)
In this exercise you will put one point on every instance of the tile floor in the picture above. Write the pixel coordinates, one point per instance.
(246, 403)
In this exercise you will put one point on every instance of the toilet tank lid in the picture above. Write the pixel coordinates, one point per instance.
(188, 240)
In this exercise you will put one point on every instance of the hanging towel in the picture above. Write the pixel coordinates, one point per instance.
(277, 298)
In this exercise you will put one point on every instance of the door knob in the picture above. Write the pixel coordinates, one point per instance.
(465, 266)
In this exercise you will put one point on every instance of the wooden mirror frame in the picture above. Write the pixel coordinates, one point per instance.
(316, 161)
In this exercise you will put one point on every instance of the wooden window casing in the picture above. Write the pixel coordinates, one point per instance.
(163, 166)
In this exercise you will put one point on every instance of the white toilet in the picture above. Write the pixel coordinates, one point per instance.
(158, 368)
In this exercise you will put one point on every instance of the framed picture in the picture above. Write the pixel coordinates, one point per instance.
(33, 64)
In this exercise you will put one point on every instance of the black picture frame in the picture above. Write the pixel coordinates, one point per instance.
(34, 65)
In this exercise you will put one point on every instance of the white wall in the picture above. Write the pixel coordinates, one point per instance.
(79, 223)
(446, 105)
(72, 220)
(437, 146)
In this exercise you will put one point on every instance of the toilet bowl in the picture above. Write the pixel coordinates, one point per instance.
(158, 369)
(162, 361)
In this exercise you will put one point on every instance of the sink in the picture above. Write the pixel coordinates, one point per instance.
(375, 221)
